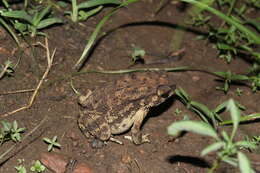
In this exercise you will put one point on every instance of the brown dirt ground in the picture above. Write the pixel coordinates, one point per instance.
(57, 100)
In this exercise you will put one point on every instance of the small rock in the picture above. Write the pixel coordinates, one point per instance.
(55, 162)
(195, 78)
(126, 159)
(82, 168)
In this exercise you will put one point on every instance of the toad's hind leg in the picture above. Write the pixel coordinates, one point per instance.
(96, 126)
(137, 136)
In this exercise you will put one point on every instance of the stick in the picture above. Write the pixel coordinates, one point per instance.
(18, 91)
(50, 61)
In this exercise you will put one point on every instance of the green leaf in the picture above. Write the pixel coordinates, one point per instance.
(192, 126)
(21, 27)
(220, 107)
(18, 14)
(239, 77)
(213, 147)
(15, 125)
(224, 46)
(246, 144)
(47, 22)
(254, 23)
(47, 140)
(93, 3)
(85, 15)
(37, 167)
(235, 115)
(6, 126)
(183, 95)
(41, 15)
(8, 28)
(202, 108)
(244, 163)
(254, 36)
(50, 147)
(20, 169)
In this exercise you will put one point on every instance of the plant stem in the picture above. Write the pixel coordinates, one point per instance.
(74, 15)
(214, 167)
(2, 73)
(229, 12)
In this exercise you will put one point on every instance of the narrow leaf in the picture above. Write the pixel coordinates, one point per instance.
(211, 148)
(96, 31)
(254, 36)
(235, 115)
(18, 14)
(244, 163)
(192, 126)
(47, 22)
(93, 3)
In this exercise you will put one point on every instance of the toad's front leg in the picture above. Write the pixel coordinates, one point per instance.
(137, 136)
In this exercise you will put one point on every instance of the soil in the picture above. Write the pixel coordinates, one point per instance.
(134, 25)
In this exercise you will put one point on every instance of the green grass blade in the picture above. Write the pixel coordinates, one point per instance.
(96, 31)
(41, 15)
(123, 71)
(202, 108)
(47, 22)
(17, 14)
(8, 28)
(85, 15)
(254, 36)
(93, 3)
(251, 117)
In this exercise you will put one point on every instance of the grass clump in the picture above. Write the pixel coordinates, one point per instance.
(10, 131)
(31, 21)
(226, 148)
(79, 13)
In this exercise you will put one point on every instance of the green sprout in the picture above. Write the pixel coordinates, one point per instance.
(226, 148)
(27, 23)
(137, 54)
(207, 115)
(52, 143)
(10, 132)
(177, 111)
(20, 169)
(78, 12)
(6, 69)
(239, 92)
(37, 167)
(228, 78)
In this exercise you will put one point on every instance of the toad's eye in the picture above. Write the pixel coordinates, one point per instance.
(165, 91)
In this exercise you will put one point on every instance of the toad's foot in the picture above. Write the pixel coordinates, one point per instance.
(115, 140)
(97, 143)
(144, 139)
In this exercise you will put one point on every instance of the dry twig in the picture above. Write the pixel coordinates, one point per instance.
(4, 70)
(50, 61)
(16, 92)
